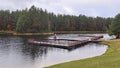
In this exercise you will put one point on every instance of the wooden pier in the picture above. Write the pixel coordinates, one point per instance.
(70, 44)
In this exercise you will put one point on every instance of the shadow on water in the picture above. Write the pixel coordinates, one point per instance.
(19, 43)
(33, 51)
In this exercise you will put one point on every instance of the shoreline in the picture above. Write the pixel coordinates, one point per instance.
(77, 59)
(108, 56)
(79, 32)
(13, 33)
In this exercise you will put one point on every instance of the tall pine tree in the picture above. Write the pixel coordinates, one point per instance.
(115, 26)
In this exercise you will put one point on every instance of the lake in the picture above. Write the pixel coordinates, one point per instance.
(15, 52)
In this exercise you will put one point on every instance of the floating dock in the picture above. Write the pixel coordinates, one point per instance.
(70, 44)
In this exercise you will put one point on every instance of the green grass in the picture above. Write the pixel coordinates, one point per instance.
(111, 59)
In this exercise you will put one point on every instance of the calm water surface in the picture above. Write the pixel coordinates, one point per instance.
(16, 53)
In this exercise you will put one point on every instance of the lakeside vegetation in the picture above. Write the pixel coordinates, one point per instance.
(115, 26)
(111, 59)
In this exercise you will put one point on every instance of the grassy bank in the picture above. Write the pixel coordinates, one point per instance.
(111, 59)
(22, 34)
(49, 33)
(79, 32)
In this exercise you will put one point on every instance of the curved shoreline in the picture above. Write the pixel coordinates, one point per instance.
(96, 62)
(81, 58)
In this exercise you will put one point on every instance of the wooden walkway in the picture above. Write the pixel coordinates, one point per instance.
(70, 44)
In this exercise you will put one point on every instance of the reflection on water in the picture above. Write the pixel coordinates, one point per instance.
(15, 53)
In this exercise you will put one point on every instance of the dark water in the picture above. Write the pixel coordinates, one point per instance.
(16, 53)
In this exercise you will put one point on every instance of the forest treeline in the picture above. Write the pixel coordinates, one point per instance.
(38, 20)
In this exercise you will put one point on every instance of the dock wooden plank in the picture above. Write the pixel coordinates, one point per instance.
(69, 45)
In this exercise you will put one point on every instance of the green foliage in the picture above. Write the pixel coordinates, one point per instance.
(115, 26)
(32, 20)
(22, 24)
(38, 20)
